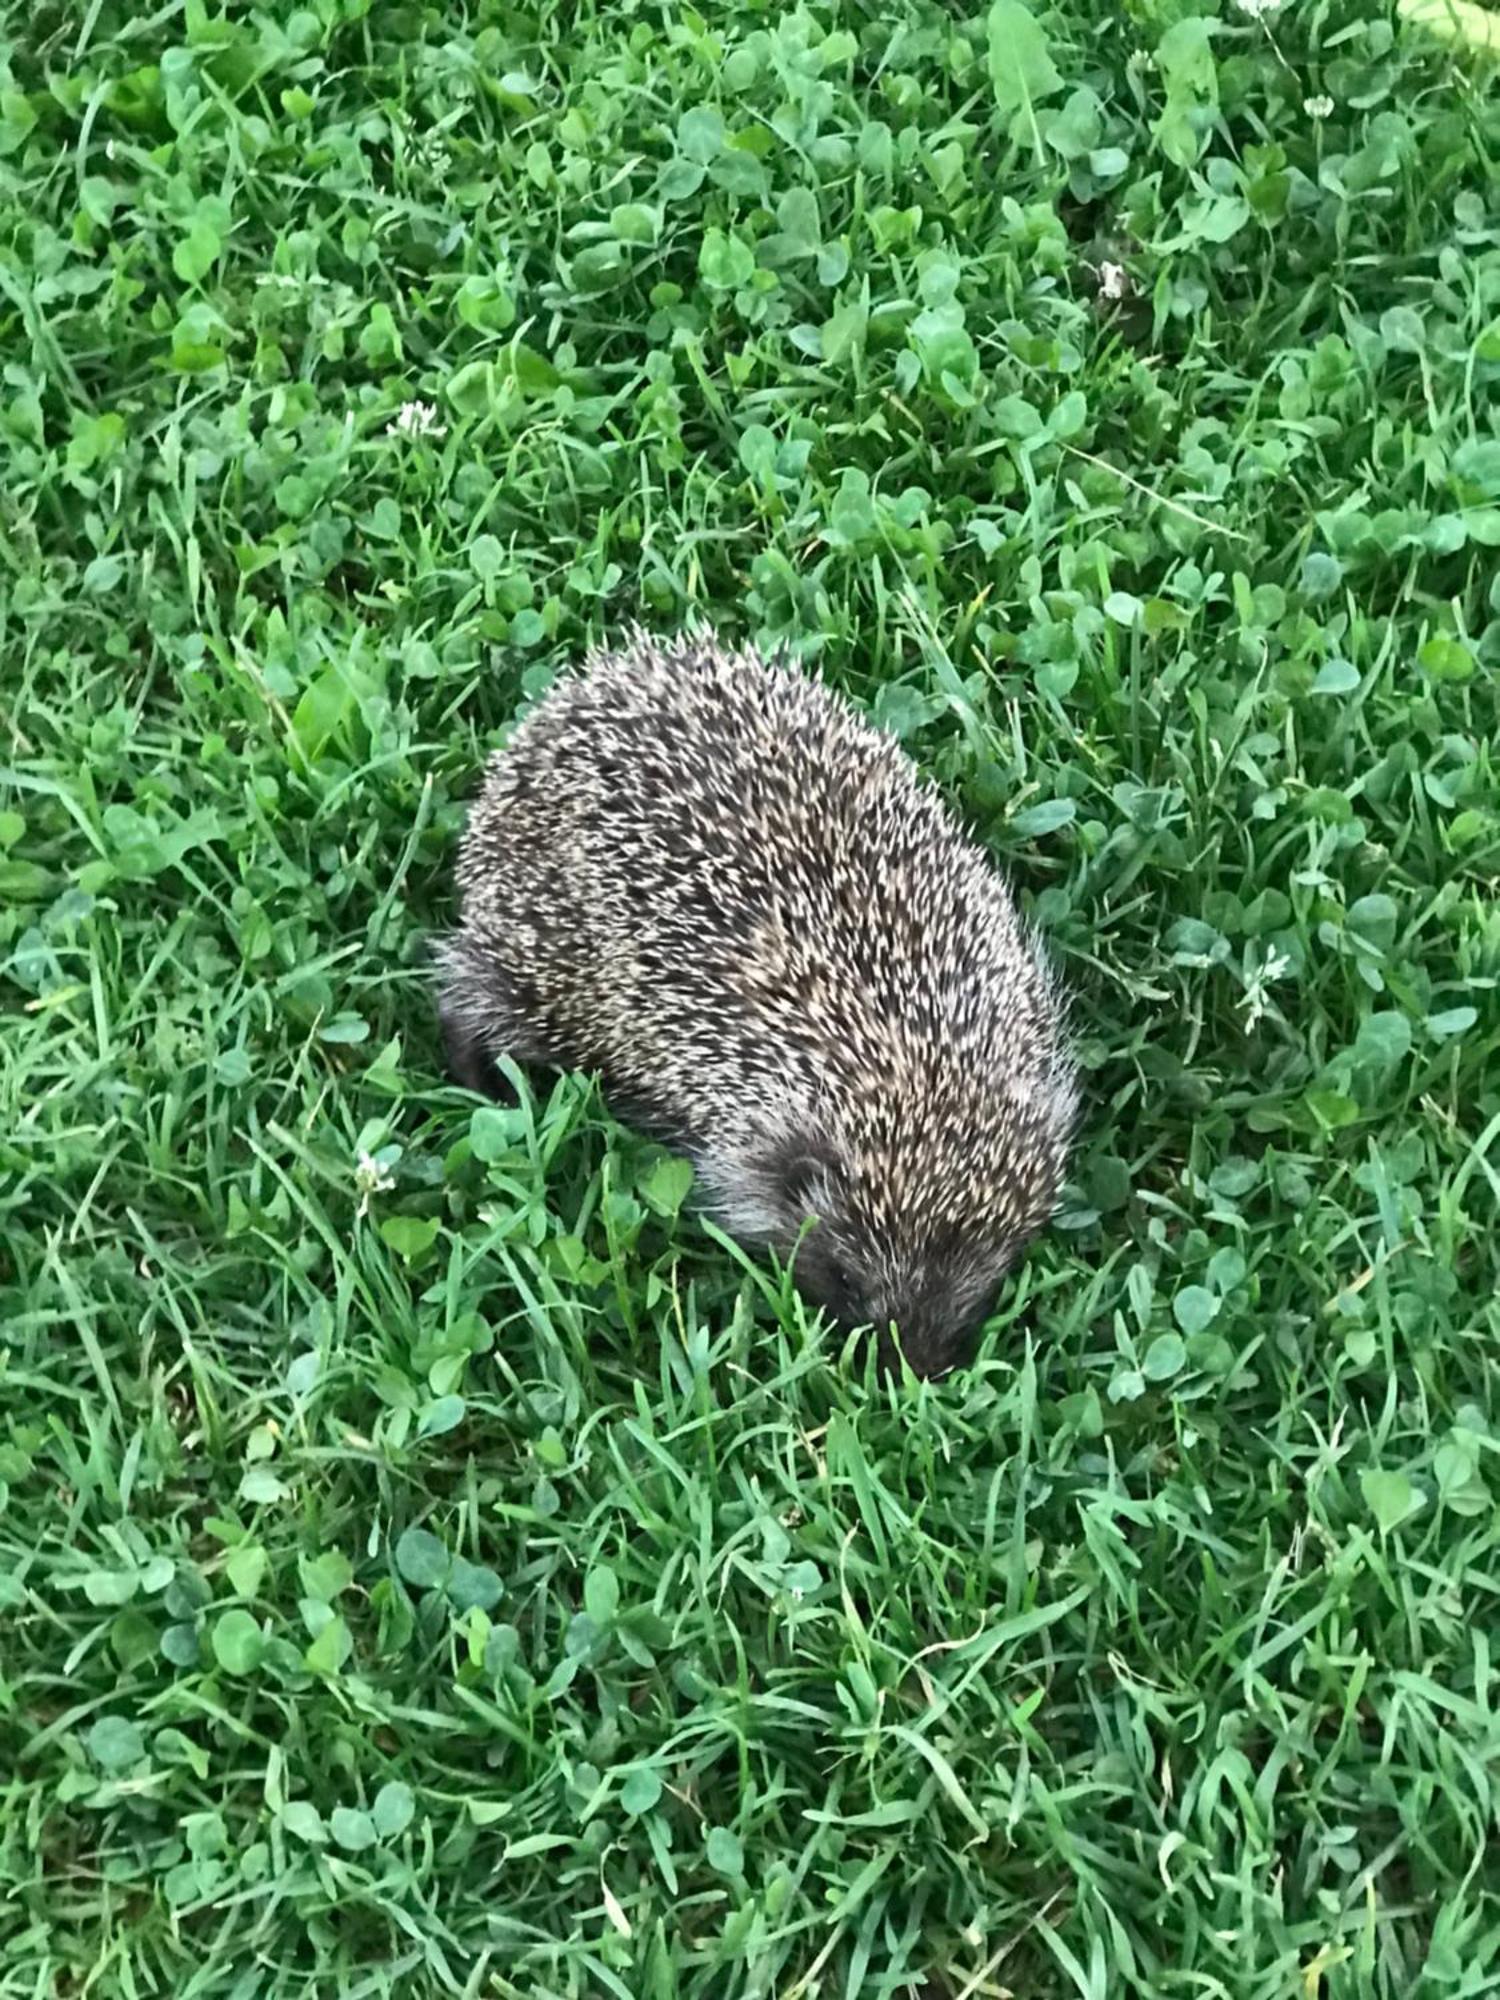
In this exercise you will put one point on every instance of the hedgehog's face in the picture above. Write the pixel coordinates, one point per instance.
(933, 1280)
(933, 1302)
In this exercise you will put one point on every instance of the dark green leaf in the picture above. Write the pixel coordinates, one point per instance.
(421, 1559)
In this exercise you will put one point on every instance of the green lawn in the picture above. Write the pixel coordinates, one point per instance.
(430, 1563)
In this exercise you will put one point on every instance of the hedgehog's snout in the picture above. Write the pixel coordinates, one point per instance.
(927, 1309)
(932, 1334)
(923, 1356)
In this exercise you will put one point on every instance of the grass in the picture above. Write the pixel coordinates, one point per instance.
(429, 1561)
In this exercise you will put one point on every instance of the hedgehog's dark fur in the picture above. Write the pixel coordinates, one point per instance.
(709, 880)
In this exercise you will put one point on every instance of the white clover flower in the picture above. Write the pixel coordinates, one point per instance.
(1318, 107)
(416, 420)
(370, 1179)
(1114, 282)
(1258, 9)
(1257, 1000)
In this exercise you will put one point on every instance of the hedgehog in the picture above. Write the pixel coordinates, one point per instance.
(703, 877)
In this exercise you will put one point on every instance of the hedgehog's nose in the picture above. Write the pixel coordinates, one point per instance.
(895, 1341)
